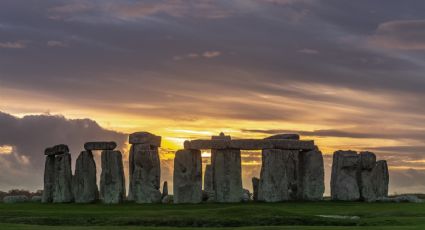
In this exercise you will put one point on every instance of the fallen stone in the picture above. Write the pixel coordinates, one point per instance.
(89, 146)
(145, 138)
(278, 177)
(401, 199)
(112, 181)
(164, 189)
(36, 199)
(283, 136)
(167, 199)
(311, 176)
(15, 199)
(187, 177)
(250, 144)
(255, 184)
(344, 183)
(84, 180)
(227, 180)
(208, 178)
(49, 179)
(62, 192)
(246, 195)
(56, 150)
(146, 174)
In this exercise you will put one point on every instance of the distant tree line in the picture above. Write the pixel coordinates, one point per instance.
(17, 192)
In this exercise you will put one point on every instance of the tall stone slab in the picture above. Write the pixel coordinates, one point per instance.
(146, 174)
(381, 178)
(227, 179)
(112, 182)
(311, 175)
(278, 177)
(365, 178)
(344, 178)
(49, 179)
(84, 180)
(255, 185)
(62, 192)
(187, 176)
(208, 179)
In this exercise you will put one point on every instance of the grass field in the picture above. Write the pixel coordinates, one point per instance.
(291, 215)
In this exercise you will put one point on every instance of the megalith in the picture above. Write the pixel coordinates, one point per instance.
(344, 178)
(311, 175)
(255, 184)
(112, 181)
(187, 176)
(62, 192)
(227, 178)
(84, 180)
(381, 179)
(208, 181)
(278, 176)
(146, 174)
(49, 179)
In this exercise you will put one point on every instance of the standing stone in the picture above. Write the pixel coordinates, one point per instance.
(62, 192)
(278, 179)
(227, 180)
(344, 183)
(187, 176)
(112, 182)
(164, 189)
(146, 174)
(311, 176)
(366, 181)
(84, 180)
(49, 179)
(130, 196)
(381, 178)
(208, 181)
(255, 184)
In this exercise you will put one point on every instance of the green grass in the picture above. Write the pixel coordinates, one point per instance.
(291, 215)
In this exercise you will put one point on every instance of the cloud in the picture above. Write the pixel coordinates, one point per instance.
(400, 34)
(206, 54)
(308, 51)
(53, 43)
(14, 45)
(23, 140)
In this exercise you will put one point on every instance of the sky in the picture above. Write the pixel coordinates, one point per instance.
(347, 74)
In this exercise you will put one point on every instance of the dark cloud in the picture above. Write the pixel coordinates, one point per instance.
(23, 166)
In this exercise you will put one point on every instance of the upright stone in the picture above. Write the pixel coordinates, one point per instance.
(146, 174)
(164, 189)
(62, 192)
(187, 176)
(112, 182)
(344, 182)
(311, 175)
(84, 180)
(278, 178)
(49, 179)
(208, 180)
(381, 178)
(227, 180)
(365, 179)
(255, 184)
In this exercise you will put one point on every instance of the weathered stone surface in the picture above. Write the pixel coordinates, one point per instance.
(255, 184)
(365, 179)
(208, 178)
(250, 144)
(344, 183)
(167, 199)
(84, 180)
(56, 150)
(49, 179)
(381, 177)
(112, 181)
(100, 145)
(246, 195)
(311, 175)
(15, 199)
(145, 138)
(187, 176)
(146, 174)
(227, 180)
(284, 136)
(164, 189)
(401, 199)
(278, 179)
(62, 192)
(367, 160)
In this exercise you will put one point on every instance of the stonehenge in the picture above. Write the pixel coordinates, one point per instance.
(291, 169)
(358, 177)
(144, 168)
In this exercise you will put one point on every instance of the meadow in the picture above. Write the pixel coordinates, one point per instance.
(289, 215)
